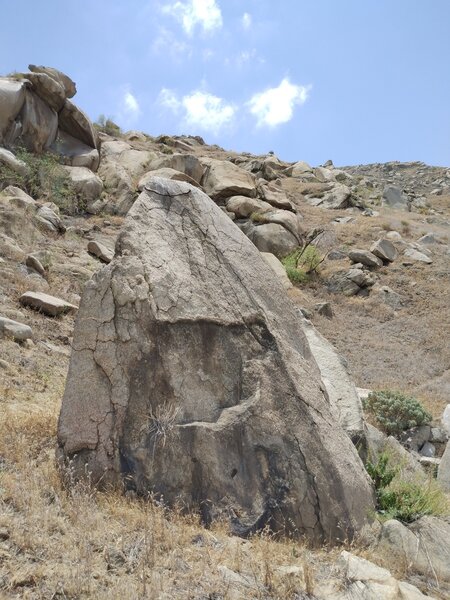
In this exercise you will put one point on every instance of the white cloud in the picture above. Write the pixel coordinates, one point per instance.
(168, 99)
(129, 109)
(276, 105)
(167, 43)
(131, 105)
(190, 13)
(246, 20)
(199, 109)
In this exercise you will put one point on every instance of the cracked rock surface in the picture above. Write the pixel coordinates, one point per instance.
(191, 378)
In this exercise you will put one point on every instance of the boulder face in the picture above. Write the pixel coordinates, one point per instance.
(191, 378)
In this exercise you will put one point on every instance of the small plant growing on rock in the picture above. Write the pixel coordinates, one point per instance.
(406, 501)
(395, 412)
(45, 179)
(107, 125)
(302, 262)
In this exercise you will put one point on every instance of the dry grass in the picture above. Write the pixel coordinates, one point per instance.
(79, 543)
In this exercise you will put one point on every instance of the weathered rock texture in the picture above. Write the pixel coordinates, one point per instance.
(191, 377)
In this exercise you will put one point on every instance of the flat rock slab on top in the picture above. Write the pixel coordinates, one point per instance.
(49, 305)
(189, 327)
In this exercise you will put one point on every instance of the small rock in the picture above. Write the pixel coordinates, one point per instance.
(365, 257)
(417, 256)
(4, 534)
(394, 236)
(324, 308)
(359, 277)
(438, 435)
(33, 263)
(385, 250)
(415, 438)
(428, 239)
(428, 450)
(49, 305)
(344, 220)
(336, 255)
(389, 297)
(15, 330)
(100, 251)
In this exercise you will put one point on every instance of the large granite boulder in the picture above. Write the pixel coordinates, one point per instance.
(12, 97)
(271, 237)
(191, 378)
(223, 179)
(74, 152)
(39, 123)
(76, 123)
(64, 80)
(48, 89)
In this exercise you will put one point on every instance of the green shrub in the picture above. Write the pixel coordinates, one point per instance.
(300, 263)
(107, 125)
(395, 412)
(46, 180)
(406, 501)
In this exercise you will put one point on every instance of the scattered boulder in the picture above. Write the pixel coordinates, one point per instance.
(429, 239)
(424, 546)
(165, 173)
(9, 159)
(301, 170)
(290, 221)
(367, 581)
(335, 196)
(388, 296)
(324, 309)
(18, 197)
(385, 250)
(393, 197)
(100, 251)
(190, 310)
(124, 194)
(243, 207)
(222, 180)
(13, 329)
(272, 238)
(274, 195)
(417, 256)
(47, 216)
(365, 257)
(184, 163)
(35, 264)
(49, 305)
(87, 184)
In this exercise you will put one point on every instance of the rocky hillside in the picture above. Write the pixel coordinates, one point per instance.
(223, 314)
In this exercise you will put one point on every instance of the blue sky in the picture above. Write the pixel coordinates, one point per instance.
(356, 81)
